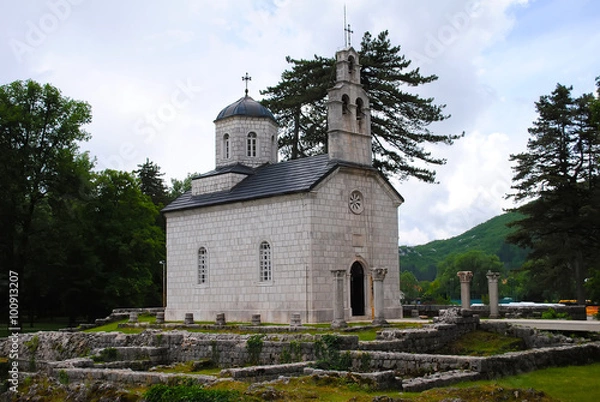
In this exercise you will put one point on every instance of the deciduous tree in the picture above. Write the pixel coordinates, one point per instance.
(41, 171)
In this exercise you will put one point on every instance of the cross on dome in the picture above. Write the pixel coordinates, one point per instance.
(246, 78)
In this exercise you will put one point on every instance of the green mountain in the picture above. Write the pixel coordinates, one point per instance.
(488, 237)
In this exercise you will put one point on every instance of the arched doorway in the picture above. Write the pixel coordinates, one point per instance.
(357, 289)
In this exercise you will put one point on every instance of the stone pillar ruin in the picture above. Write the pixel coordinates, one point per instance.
(220, 320)
(338, 299)
(295, 321)
(493, 292)
(465, 288)
(133, 317)
(188, 319)
(378, 295)
(160, 317)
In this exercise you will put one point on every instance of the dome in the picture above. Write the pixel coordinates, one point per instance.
(245, 106)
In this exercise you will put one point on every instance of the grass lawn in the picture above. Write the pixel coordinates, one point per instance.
(567, 384)
(482, 343)
(364, 334)
(564, 384)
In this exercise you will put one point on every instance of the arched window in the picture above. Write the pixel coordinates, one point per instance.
(202, 266)
(251, 144)
(266, 273)
(359, 108)
(273, 148)
(226, 146)
(345, 101)
(351, 64)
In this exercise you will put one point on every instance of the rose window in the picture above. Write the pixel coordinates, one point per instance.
(356, 202)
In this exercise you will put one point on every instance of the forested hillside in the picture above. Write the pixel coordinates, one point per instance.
(488, 237)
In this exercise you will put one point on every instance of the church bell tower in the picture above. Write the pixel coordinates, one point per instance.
(349, 115)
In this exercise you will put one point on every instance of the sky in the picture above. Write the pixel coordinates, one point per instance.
(157, 73)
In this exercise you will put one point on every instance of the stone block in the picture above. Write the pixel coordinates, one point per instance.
(189, 319)
(133, 317)
(220, 320)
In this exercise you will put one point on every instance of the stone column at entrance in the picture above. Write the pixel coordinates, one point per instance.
(465, 288)
(493, 292)
(338, 299)
(378, 296)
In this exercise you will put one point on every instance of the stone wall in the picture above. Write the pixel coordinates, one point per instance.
(232, 235)
(227, 350)
(451, 324)
(411, 364)
(309, 234)
(575, 312)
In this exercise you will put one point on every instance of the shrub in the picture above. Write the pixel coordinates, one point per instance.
(63, 377)
(551, 314)
(106, 355)
(188, 393)
(329, 357)
(254, 346)
(291, 353)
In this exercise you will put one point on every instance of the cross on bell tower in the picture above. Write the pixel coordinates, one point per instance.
(246, 78)
(347, 31)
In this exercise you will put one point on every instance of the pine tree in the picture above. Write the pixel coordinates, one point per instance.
(559, 176)
(400, 120)
(151, 183)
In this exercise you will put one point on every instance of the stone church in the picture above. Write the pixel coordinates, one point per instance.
(316, 236)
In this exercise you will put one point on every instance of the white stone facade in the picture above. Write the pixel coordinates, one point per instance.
(272, 234)
(238, 128)
(309, 234)
(218, 182)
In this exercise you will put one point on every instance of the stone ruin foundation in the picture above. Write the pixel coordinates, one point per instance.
(402, 360)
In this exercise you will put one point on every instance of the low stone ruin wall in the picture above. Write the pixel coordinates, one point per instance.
(452, 324)
(227, 350)
(266, 373)
(121, 314)
(506, 311)
(431, 338)
(414, 365)
(128, 376)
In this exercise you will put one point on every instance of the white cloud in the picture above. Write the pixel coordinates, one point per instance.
(493, 59)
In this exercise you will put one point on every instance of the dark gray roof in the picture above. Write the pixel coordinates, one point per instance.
(245, 106)
(295, 176)
(235, 168)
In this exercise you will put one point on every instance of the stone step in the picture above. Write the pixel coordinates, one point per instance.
(441, 379)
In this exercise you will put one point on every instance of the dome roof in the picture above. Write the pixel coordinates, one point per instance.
(245, 106)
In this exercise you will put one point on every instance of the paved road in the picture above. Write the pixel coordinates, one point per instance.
(557, 325)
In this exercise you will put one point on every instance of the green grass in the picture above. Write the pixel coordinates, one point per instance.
(368, 334)
(191, 367)
(566, 384)
(482, 343)
(114, 326)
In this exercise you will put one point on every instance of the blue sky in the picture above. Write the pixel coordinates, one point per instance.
(157, 74)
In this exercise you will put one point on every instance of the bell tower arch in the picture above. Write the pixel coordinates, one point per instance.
(349, 114)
